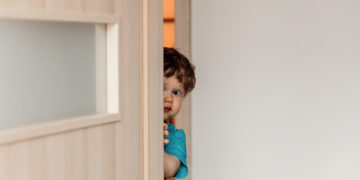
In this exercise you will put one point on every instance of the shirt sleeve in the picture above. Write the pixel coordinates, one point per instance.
(177, 148)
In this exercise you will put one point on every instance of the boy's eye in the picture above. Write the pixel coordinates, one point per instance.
(176, 92)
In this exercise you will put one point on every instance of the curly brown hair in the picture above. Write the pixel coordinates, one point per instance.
(177, 64)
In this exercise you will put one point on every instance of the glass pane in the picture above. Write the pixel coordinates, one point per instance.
(50, 71)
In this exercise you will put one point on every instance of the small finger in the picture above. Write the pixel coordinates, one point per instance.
(166, 133)
(166, 141)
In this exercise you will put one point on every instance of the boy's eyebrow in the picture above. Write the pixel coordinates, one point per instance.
(181, 88)
(177, 87)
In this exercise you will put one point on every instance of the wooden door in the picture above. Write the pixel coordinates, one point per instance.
(111, 134)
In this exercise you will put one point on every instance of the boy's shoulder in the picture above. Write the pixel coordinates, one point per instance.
(173, 131)
(171, 127)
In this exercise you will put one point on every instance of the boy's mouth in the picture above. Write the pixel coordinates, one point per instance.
(167, 109)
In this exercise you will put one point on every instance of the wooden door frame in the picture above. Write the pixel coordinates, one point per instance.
(144, 31)
(183, 44)
(153, 149)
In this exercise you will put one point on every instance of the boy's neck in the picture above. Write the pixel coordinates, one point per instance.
(171, 121)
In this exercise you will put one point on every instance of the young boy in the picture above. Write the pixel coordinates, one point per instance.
(179, 80)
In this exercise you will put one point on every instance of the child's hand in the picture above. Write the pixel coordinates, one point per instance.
(166, 133)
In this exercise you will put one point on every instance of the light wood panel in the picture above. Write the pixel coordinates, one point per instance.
(21, 134)
(3, 164)
(65, 5)
(43, 15)
(155, 78)
(36, 4)
(128, 148)
(101, 160)
(97, 11)
(110, 150)
(84, 154)
(103, 6)
(83, 6)
(182, 43)
(182, 27)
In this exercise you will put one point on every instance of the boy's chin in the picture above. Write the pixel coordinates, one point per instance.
(167, 117)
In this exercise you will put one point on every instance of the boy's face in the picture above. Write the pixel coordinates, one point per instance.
(173, 95)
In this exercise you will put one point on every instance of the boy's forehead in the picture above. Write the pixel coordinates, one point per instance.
(173, 81)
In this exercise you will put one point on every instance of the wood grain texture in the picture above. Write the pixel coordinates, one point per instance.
(80, 6)
(103, 151)
(128, 166)
(182, 27)
(97, 11)
(155, 78)
(46, 129)
(77, 150)
(86, 154)
(56, 156)
(44, 15)
(182, 43)
(3, 162)
(35, 4)
(65, 5)
(101, 7)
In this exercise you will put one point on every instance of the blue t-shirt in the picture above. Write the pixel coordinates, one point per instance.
(177, 148)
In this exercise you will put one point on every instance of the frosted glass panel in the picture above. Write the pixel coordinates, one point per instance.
(50, 71)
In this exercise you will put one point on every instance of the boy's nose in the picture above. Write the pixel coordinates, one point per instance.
(168, 98)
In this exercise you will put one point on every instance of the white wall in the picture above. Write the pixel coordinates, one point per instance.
(278, 90)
